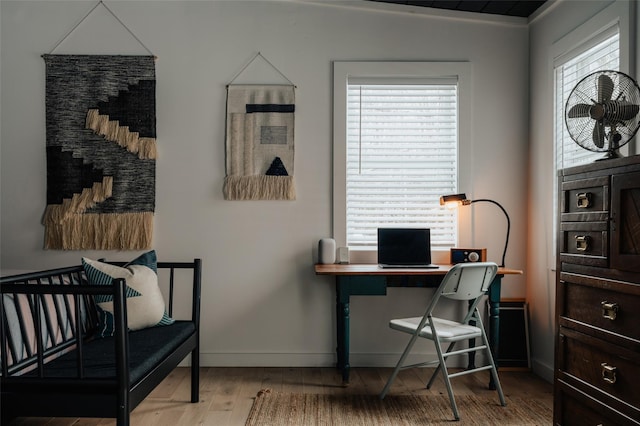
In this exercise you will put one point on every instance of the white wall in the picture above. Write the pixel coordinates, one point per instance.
(262, 303)
(546, 33)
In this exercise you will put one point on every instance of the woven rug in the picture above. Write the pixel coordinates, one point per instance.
(280, 409)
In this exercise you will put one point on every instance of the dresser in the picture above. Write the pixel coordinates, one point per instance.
(597, 352)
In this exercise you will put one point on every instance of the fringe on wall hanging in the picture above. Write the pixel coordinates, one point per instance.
(101, 150)
(260, 141)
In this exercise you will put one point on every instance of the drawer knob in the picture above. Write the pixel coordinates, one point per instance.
(583, 200)
(608, 373)
(582, 242)
(609, 310)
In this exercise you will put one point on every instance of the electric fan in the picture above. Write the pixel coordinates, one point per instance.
(601, 113)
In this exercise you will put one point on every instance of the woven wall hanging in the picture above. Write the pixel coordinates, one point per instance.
(260, 142)
(101, 150)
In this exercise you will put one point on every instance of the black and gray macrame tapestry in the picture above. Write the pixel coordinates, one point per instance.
(101, 151)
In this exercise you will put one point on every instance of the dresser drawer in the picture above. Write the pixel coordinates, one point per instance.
(602, 368)
(574, 408)
(585, 199)
(610, 305)
(585, 243)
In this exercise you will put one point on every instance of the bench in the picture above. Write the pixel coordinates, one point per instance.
(54, 363)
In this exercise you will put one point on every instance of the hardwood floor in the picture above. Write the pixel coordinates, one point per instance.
(226, 394)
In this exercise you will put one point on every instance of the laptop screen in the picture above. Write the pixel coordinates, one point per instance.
(404, 246)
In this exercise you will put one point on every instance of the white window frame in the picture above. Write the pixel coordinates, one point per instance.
(618, 14)
(342, 71)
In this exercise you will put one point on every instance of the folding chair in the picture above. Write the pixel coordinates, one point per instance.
(465, 281)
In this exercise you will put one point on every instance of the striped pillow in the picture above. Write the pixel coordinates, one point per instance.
(145, 303)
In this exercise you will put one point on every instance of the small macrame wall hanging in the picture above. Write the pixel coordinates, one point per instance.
(260, 141)
(101, 151)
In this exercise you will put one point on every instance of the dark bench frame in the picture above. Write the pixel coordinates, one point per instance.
(35, 395)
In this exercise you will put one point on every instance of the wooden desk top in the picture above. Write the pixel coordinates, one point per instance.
(374, 269)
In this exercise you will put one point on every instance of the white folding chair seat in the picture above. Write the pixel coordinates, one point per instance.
(448, 331)
(468, 281)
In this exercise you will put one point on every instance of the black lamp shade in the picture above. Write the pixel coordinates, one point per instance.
(452, 198)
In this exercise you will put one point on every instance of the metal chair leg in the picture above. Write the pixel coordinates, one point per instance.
(447, 381)
(437, 369)
(398, 366)
(494, 371)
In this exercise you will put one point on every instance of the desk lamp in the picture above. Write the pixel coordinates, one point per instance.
(457, 199)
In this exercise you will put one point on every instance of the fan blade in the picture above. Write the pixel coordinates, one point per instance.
(579, 110)
(626, 111)
(598, 134)
(605, 88)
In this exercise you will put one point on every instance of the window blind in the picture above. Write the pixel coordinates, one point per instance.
(402, 142)
(604, 55)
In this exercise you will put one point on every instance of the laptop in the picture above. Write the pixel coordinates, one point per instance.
(404, 248)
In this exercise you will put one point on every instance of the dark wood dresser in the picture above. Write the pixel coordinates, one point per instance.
(597, 363)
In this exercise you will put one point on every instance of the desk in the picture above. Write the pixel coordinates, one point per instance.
(370, 280)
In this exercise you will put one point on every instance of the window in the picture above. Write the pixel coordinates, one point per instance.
(397, 133)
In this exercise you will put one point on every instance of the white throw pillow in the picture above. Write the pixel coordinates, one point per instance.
(145, 303)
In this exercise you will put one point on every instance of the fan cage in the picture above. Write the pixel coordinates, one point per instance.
(582, 129)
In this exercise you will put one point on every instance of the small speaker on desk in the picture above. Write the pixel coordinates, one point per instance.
(464, 255)
(343, 255)
(327, 250)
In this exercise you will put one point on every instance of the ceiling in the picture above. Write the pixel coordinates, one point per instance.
(521, 8)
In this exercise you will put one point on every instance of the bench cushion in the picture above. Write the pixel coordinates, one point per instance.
(147, 348)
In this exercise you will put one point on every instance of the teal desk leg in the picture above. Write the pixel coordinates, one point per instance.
(342, 321)
(347, 286)
(471, 361)
(494, 321)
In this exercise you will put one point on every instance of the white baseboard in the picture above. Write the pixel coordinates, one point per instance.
(542, 370)
(312, 360)
(266, 360)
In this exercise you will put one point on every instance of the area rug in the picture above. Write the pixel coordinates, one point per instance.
(280, 409)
